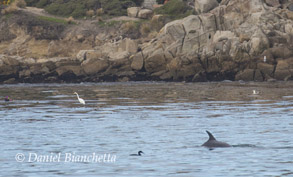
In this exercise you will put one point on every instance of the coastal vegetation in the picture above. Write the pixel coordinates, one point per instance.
(78, 9)
(13, 6)
(91, 8)
(56, 20)
(175, 9)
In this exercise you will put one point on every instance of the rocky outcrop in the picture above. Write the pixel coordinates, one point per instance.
(137, 12)
(145, 14)
(133, 11)
(204, 6)
(220, 47)
(250, 40)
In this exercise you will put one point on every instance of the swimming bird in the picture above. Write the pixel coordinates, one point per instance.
(212, 142)
(255, 92)
(138, 154)
(80, 99)
(7, 98)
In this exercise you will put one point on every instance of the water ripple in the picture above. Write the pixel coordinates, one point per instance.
(165, 120)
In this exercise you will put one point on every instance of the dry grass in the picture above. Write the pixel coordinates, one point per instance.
(10, 9)
(157, 22)
(152, 34)
(128, 26)
(145, 29)
(70, 20)
(19, 3)
(90, 13)
(13, 7)
(100, 19)
(100, 12)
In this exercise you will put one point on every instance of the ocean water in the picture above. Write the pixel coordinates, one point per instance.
(45, 131)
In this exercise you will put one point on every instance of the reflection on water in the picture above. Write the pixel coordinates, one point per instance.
(167, 121)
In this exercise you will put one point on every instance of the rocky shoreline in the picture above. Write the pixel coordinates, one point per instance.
(250, 40)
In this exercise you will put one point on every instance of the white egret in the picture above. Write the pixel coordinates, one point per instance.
(255, 92)
(265, 59)
(80, 99)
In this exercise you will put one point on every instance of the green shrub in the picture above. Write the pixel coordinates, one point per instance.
(52, 19)
(19, 3)
(160, 1)
(79, 11)
(138, 2)
(100, 11)
(129, 26)
(116, 7)
(145, 29)
(175, 9)
(53, 9)
(42, 3)
(78, 8)
(92, 4)
(31, 2)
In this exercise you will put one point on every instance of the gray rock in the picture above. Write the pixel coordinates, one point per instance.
(204, 6)
(137, 61)
(94, 66)
(133, 11)
(273, 3)
(145, 14)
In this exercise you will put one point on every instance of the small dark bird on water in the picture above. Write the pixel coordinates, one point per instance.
(7, 98)
(138, 154)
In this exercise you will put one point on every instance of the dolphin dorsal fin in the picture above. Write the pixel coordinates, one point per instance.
(211, 137)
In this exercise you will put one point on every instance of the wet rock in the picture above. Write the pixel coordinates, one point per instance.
(258, 76)
(76, 70)
(94, 66)
(124, 79)
(229, 66)
(9, 67)
(200, 77)
(212, 64)
(156, 62)
(24, 73)
(266, 68)
(10, 81)
(281, 52)
(246, 75)
(174, 67)
(282, 70)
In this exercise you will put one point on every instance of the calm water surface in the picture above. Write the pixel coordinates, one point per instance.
(167, 121)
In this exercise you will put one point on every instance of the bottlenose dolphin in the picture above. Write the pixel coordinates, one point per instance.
(212, 142)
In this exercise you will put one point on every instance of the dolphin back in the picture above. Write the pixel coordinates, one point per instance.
(212, 142)
(211, 137)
